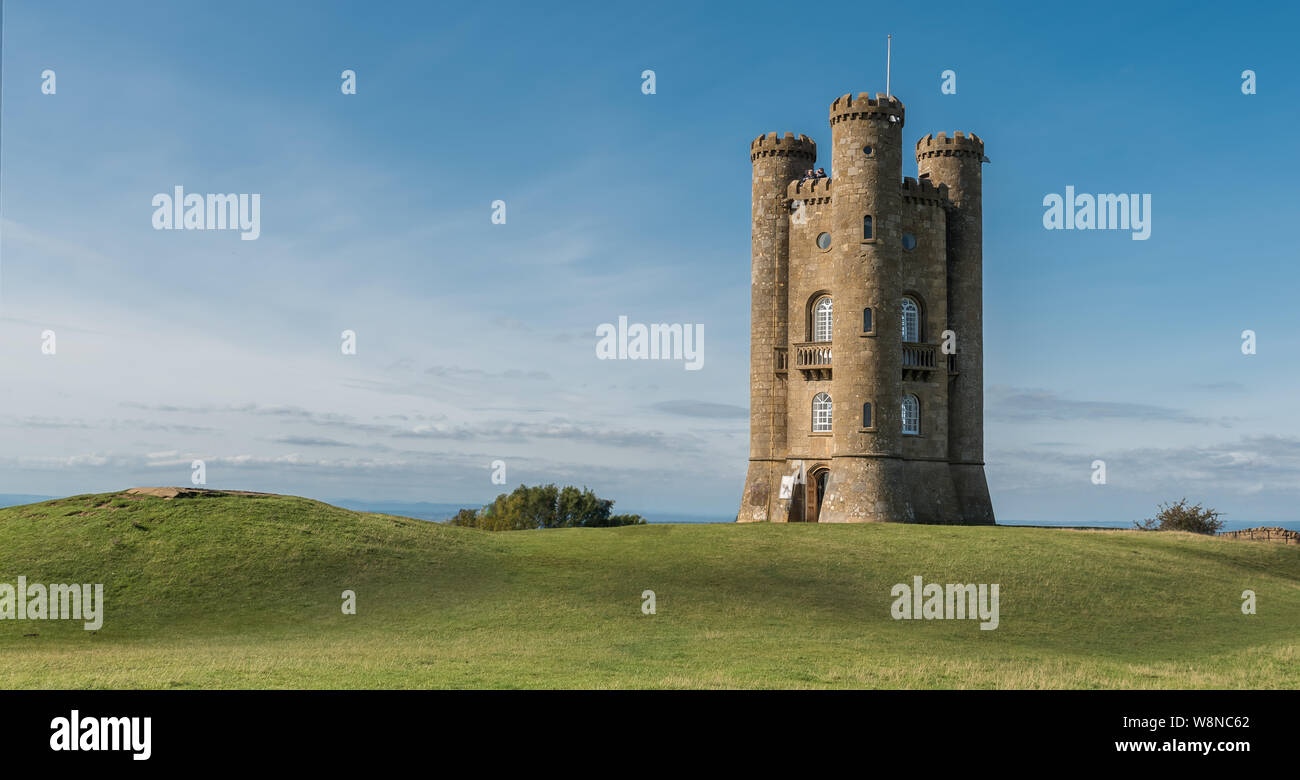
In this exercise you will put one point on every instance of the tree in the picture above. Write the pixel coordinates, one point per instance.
(1178, 516)
(582, 509)
(545, 506)
(465, 517)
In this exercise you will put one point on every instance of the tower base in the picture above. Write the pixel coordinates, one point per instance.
(931, 493)
(866, 490)
(761, 501)
(876, 490)
(972, 493)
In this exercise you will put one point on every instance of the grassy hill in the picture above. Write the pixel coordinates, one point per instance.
(244, 591)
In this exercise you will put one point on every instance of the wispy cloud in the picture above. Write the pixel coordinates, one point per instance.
(464, 374)
(295, 413)
(688, 408)
(1219, 387)
(557, 430)
(309, 441)
(109, 425)
(1248, 465)
(1027, 405)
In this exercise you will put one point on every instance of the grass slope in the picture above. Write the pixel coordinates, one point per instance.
(244, 592)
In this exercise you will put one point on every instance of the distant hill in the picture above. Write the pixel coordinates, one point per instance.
(218, 590)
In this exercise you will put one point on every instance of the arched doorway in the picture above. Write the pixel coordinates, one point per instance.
(818, 478)
(809, 491)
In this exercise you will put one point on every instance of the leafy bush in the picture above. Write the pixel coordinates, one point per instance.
(1178, 516)
(544, 506)
(465, 517)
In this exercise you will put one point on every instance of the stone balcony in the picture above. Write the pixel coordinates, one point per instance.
(813, 359)
(920, 360)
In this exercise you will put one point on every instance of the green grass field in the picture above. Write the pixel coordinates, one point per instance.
(229, 591)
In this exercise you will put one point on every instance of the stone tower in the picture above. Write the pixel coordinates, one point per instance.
(866, 366)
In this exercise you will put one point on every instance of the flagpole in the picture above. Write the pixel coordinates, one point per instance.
(889, 52)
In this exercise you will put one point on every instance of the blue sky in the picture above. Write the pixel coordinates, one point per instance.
(476, 341)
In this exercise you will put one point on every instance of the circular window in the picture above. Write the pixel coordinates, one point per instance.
(867, 150)
(909, 241)
(824, 241)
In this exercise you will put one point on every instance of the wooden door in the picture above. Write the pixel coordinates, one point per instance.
(816, 492)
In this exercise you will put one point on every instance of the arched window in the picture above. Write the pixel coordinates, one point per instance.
(911, 320)
(821, 413)
(911, 415)
(822, 319)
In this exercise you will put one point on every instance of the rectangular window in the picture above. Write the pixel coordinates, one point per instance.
(822, 419)
(867, 235)
(911, 415)
(866, 415)
(866, 320)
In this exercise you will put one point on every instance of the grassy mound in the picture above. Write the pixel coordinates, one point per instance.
(244, 591)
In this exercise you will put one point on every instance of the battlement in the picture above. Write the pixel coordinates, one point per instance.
(789, 145)
(810, 191)
(924, 191)
(958, 145)
(881, 107)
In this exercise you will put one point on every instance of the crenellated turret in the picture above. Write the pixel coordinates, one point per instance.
(957, 161)
(777, 160)
(866, 481)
